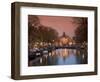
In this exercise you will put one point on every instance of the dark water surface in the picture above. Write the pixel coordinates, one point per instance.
(61, 57)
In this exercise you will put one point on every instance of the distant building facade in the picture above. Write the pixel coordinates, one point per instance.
(64, 40)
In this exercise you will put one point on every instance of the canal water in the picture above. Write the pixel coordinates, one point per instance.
(61, 57)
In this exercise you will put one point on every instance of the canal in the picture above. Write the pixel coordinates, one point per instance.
(61, 57)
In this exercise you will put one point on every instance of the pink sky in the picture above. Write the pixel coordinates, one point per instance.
(59, 23)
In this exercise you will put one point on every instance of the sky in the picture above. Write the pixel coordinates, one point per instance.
(60, 24)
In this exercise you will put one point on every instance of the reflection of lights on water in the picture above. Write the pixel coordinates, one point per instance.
(50, 54)
(46, 56)
(61, 57)
(83, 56)
(53, 53)
(40, 60)
(64, 52)
(37, 54)
(78, 52)
(74, 51)
(57, 52)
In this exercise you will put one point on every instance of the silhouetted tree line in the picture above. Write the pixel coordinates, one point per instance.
(81, 32)
(38, 32)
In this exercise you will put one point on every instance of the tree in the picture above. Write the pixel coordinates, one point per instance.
(81, 30)
(39, 33)
(52, 34)
(33, 20)
(46, 34)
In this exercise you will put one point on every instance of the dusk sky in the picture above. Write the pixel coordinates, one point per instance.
(60, 24)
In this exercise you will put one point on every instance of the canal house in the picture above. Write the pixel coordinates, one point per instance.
(64, 40)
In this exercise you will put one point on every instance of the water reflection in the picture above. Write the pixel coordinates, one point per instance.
(61, 57)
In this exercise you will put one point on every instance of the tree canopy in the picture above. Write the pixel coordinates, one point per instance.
(81, 30)
(38, 32)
